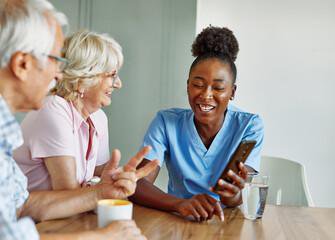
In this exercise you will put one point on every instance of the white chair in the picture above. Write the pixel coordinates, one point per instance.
(162, 179)
(287, 182)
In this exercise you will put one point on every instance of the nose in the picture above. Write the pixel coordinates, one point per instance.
(117, 83)
(207, 93)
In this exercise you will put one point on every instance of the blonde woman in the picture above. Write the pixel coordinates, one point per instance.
(66, 141)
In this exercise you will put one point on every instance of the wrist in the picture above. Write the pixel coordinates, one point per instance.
(175, 204)
(232, 201)
(98, 190)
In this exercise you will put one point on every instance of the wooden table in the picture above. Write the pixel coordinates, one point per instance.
(278, 223)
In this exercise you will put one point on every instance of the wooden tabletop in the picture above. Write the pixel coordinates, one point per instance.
(278, 222)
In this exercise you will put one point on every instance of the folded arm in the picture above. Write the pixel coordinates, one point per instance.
(200, 207)
(117, 182)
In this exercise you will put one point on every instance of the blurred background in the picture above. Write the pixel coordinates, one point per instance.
(285, 68)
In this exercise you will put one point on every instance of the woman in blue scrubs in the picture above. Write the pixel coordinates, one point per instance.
(196, 144)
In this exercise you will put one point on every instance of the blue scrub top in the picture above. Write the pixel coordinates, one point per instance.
(192, 167)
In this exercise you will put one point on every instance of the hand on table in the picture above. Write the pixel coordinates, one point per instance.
(121, 230)
(120, 182)
(202, 207)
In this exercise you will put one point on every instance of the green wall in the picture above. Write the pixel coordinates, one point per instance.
(156, 36)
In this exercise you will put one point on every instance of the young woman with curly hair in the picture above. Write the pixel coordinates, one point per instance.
(196, 144)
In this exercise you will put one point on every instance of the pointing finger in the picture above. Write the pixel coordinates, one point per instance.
(147, 169)
(134, 161)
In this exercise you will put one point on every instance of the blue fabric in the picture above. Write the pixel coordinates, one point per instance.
(13, 184)
(192, 167)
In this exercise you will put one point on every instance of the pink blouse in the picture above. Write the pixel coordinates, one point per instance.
(58, 129)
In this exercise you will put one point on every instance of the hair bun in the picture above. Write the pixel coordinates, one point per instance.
(215, 41)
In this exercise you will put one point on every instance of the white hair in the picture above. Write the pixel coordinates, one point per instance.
(89, 54)
(24, 27)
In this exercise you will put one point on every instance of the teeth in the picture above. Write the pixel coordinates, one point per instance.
(205, 108)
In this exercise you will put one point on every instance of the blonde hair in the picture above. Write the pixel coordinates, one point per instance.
(89, 54)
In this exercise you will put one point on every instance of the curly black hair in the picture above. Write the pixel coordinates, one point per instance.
(216, 42)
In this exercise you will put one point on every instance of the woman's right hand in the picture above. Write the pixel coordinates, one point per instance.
(121, 230)
(202, 207)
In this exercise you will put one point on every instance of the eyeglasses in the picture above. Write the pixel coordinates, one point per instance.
(62, 62)
(112, 75)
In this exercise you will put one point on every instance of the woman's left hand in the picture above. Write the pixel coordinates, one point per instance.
(120, 182)
(230, 193)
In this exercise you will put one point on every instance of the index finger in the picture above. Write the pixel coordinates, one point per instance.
(134, 161)
(243, 171)
(218, 211)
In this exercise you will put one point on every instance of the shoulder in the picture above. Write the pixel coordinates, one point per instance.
(174, 114)
(56, 103)
(243, 116)
(55, 110)
(168, 120)
(53, 107)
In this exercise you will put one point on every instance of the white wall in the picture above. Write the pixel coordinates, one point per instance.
(286, 74)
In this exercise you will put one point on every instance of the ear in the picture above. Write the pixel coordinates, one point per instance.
(233, 92)
(21, 64)
(187, 84)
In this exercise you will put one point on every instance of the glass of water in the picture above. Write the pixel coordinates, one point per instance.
(254, 196)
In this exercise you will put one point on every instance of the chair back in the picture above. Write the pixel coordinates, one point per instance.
(287, 182)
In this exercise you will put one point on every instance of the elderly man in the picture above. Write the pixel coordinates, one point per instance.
(30, 43)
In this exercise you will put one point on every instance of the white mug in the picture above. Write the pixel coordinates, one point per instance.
(113, 209)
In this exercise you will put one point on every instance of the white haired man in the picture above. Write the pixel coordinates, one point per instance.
(30, 43)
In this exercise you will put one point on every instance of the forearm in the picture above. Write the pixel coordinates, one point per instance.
(46, 205)
(149, 195)
(70, 236)
(233, 201)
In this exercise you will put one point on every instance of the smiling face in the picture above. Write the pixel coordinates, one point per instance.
(210, 87)
(100, 95)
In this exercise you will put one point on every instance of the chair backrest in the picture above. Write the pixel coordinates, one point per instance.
(287, 183)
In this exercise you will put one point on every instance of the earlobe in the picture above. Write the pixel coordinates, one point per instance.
(20, 65)
(233, 92)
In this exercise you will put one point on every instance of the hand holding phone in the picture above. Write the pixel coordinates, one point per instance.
(240, 155)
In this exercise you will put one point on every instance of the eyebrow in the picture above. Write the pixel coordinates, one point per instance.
(215, 80)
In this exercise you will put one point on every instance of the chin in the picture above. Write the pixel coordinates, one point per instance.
(106, 104)
(33, 103)
(37, 106)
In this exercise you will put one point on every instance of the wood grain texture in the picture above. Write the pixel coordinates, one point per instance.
(278, 222)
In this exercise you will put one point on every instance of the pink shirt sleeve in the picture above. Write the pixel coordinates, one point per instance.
(53, 133)
(100, 121)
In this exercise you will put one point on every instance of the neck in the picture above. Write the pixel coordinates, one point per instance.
(8, 93)
(81, 108)
(207, 132)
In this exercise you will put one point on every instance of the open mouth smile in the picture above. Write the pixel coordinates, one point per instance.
(205, 107)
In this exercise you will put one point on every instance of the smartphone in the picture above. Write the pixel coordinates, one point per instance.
(240, 155)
